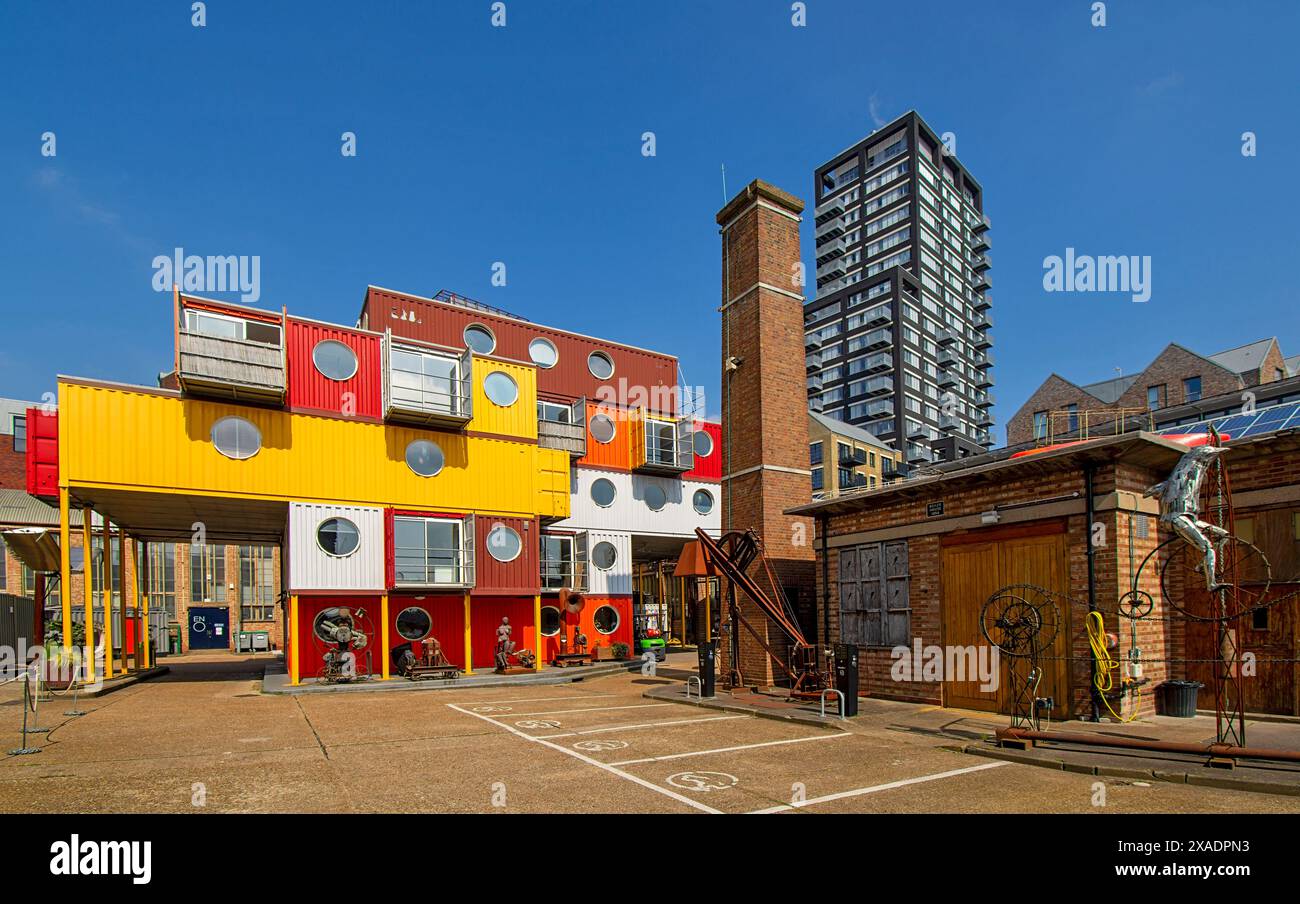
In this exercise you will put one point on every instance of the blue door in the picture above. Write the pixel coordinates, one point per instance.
(209, 628)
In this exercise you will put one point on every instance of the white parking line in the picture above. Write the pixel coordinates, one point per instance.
(857, 792)
(536, 699)
(594, 709)
(681, 798)
(678, 756)
(569, 734)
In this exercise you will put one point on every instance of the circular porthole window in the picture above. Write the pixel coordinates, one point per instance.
(414, 623)
(702, 443)
(604, 555)
(501, 388)
(602, 428)
(503, 543)
(480, 339)
(543, 353)
(703, 501)
(550, 621)
(606, 619)
(601, 365)
(236, 438)
(334, 360)
(424, 457)
(603, 492)
(338, 537)
(655, 497)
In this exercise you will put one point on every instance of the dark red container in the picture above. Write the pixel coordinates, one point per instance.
(637, 373)
(360, 396)
(520, 575)
(485, 617)
(446, 619)
(43, 453)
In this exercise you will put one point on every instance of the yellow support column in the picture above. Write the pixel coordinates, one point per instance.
(537, 629)
(293, 638)
(469, 656)
(383, 636)
(88, 585)
(146, 652)
(65, 571)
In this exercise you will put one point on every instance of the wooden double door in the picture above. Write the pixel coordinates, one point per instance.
(973, 567)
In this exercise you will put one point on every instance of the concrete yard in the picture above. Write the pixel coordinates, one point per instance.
(204, 737)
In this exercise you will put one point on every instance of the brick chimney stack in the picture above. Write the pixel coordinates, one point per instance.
(765, 402)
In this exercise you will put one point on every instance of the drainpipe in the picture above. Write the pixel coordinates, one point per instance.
(823, 524)
(1094, 694)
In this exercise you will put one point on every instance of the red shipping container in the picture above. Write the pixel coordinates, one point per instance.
(359, 395)
(42, 458)
(641, 378)
(485, 617)
(521, 574)
(587, 624)
(311, 648)
(446, 622)
(709, 467)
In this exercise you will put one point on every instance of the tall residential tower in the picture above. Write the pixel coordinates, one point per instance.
(897, 336)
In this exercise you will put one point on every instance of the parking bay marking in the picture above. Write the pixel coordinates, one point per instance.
(678, 756)
(594, 709)
(569, 734)
(681, 798)
(858, 792)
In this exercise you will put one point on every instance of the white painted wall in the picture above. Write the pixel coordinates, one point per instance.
(311, 568)
(617, 581)
(629, 511)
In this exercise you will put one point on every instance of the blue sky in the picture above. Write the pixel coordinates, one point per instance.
(523, 145)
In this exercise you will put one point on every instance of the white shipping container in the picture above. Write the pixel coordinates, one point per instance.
(631, 509)
(312, 568)
(616, 580)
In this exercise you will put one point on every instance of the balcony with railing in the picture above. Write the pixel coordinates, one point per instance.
(429, 387)
(947, 379)
(230, 356)
(983, 379)
(918, 454)
(877, 339)
(563, 427)
(834, 268)
(561, 568)
(983, 280)
(949, 422)
(980, 262)
(879, 409)
(984, 400)
(878, 362)
(982, 302)
(829, 249)
(982, 360)
(879, 315)
(946, 335)
(980, 241)
(852, 458)
(880, 386)
(662, 447)
(432, 553)
(982, 321)
(982, 340)
(980, 223)
(947, 356)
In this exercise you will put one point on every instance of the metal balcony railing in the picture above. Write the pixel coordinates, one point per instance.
(568, 436)
(558, 574)
(234, 368)
(429, 388)
(433, 567)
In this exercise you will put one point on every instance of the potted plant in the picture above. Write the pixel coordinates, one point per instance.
(620, 650)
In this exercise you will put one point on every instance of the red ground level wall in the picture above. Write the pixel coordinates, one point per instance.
(586, 623)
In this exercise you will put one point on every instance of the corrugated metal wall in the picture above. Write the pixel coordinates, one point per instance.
(521, 575)
(43, 452)
(446, 616)
(361, 396)
(444, 324)
(311, 568)
(616, 581)
(311, 649)
(164, 442)
(586, 623)
(708, 468)
(629, 511)
(617, 452)
(519, 419)
(485, 616)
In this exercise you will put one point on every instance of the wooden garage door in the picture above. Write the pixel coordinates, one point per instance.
(972, 570)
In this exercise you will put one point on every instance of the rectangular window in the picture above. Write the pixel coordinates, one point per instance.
(424, 381)
(105, 571)
(1155, 397)
(162, 576)
(815, 453)
(429, 552)
(257, 583)
(207, 574)
(1192, 389)
(554, 412)
(661, 441)
(559, 568)
(224, 327)
(818, 479)
(874, 582)
(1073, 412)
(20, 433)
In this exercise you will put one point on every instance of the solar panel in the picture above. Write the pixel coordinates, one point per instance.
(1266, 420)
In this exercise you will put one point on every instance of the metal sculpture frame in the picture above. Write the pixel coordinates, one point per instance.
(1022, 621)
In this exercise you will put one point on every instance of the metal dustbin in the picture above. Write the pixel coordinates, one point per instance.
(244, 642)
(1180, 697)
(261, 641)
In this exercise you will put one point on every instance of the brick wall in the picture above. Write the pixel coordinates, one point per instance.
(13, 466)
(764, 401)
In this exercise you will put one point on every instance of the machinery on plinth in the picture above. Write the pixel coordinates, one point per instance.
(423, 660)
(343, 632)
(732, 556)
(573, 646)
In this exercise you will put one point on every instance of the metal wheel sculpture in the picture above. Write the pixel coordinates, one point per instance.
(1022, 622)
(341, 635)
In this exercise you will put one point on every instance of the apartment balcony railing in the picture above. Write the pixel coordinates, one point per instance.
(982, 302)
(559, 574)
(880, 386)
(984, 400)
(947, 379)
(812, 361)
(568, 436)
(832, 269)
(852, 458)
(981, 262)
(879, 362)
(980, 223)
(663, 447)
(831, 207)
(829, 249)
(980, 241)
(984, 419)
(877, 339)
(983, 360)
(983, 379)
(982, 340)
(949, 422)
(918, 454)
(231, 368)
(829, 229)
(983, 281)
(435, 567)
(878, 316)
(982, 321)
(946, 335)
(947, 357)
(920, 431)
(429, 388)
(879, 409)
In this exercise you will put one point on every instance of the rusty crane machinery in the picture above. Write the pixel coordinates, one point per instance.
(731, 556)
